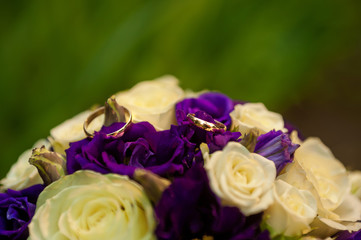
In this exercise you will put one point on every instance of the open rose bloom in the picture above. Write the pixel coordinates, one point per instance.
(156, 162)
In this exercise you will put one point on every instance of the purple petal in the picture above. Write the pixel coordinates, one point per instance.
(277, 147)
(183, 217)
(217, 105)
(16, 211)
(141, 146)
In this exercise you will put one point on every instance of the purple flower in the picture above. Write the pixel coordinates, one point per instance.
(346, 235)
(16, 211)
(233, 225)
(164, 153)
(216, 140)
(189, 209)
(277, 147)
(217, 105)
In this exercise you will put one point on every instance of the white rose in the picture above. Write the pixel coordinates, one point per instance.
(87, 205)
(255, 116)
(343, 218)
(292, 211)
(355, 178)
(153, 101)
(72, 130)
(241, 178)
(22, 174)
(316, 169)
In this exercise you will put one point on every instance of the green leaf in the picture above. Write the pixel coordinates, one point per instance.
(275, 235)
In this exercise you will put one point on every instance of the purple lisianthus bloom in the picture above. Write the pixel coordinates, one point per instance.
(346, 235)
(216, 140)
(189, 209)
(217, 105)
(17, 208)
(231, 224)
(141, 146)
(277, 147)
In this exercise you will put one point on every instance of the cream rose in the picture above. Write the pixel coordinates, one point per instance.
(343, 218)
(87, 205)
(355, 178)
(22, 174)
(72, 130)
(292, 211)
(316, 169)
(241, 178)
(255, 116)
(153, 101)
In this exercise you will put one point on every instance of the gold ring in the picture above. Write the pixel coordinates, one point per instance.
(100, 111)
(208, 126)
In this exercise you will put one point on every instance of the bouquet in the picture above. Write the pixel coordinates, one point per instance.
(158, 162)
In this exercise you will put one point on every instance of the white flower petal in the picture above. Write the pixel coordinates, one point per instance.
(255, 115)
(153, 101)
(90, 206)
(241, 179)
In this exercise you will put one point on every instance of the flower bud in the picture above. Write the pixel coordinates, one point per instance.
(113, 112)
(250, 139)
(153, 185)
(277, 147)
(51, 165)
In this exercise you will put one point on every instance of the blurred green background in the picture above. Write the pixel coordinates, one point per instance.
(301, 58)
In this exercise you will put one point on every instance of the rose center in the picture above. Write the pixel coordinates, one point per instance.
(294, 202)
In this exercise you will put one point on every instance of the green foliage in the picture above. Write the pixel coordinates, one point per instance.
(58, 58)
(277, 236)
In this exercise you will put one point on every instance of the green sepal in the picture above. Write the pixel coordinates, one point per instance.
(250, 140)
(153, 185)
(51, 165)
(235, 129)
(275, 235)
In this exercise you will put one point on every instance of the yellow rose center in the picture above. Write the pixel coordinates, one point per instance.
(294, 202)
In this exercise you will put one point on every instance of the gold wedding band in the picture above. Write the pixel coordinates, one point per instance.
(208, 126)
(100, 111)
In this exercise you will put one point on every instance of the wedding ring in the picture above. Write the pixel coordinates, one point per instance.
(208, 126)
(100, 111)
